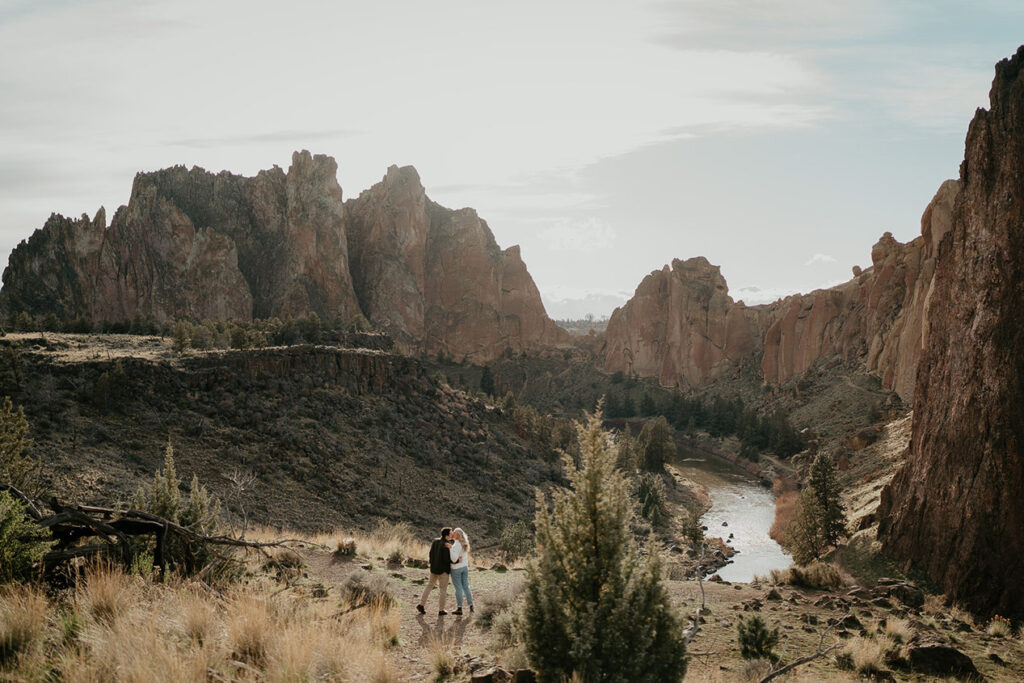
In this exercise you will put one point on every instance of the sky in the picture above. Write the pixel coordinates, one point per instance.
(777, 138)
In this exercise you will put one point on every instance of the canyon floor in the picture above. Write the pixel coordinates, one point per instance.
(801, 615)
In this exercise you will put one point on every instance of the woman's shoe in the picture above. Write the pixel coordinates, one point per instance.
(458, 612)
(471, 608)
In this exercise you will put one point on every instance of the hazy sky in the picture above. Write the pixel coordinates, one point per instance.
(778, 138)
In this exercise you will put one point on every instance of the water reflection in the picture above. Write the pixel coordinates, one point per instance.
(747, 510)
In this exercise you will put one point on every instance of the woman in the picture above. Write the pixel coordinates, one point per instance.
(460, 569)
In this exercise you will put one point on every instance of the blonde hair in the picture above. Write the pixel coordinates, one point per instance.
(463, 537)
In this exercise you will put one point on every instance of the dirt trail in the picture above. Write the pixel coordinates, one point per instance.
(419, 635)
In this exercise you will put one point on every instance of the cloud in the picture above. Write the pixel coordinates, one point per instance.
(587, 235)
(295, 137)
(754, 296)
(820, 258)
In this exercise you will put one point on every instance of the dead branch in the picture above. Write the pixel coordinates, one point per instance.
(690, 633)
(820, 652)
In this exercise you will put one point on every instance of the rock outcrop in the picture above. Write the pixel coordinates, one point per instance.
(199, 245)
(436, 277)
(681, 326)
(956, 508)
(880, 316)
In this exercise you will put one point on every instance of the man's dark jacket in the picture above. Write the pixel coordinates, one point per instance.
(440, 557)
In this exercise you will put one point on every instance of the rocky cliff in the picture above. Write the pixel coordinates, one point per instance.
(682, 327)
(437, 277)
(199, 245)
(956, 508)
(879, 317)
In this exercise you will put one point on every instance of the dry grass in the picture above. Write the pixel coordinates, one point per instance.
(899, 630)
(816, 575)
(114, 627)
(442, 657)
(863, 655)
(23, 621)
(999, 627)
(389, 542)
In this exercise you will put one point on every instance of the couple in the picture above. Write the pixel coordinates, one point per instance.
(449, 555)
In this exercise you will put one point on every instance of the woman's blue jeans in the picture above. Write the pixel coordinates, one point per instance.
(460, 577)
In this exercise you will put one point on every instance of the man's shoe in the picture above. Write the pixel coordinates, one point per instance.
(441, 613)
(458, 612)
(419, 608)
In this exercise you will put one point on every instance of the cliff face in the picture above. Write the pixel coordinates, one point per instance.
(879, 316)
(201, 245)
(437, 277)
(681, 326)
(956, 509)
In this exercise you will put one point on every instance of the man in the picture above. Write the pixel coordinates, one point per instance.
(440, 569)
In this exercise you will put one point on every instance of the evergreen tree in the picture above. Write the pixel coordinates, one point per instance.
(647, 405)
(487, 381)
(628, 407)
(826, 489)
(594, 606)
(22, 543)
(180, 335)
(804, 534)
(756, 641)
(657, 444)
(16, 468)
(628, 452)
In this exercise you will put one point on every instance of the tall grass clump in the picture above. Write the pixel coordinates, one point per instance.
(23, 620)
(816, 576)
(999, 627)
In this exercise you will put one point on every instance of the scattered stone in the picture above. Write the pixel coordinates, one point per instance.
(881, 602)
(773, 594)
(497, 567)
(994, 657)
(524, 676)
(909, 595)
(367, 567)
(495, 675)
(738, 587)
(725, 523)
(715, 578)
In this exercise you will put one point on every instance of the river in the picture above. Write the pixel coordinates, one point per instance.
(748, 508)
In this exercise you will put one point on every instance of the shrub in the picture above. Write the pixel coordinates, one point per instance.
(657, 443)
(756, 641)
(816, 576)
(899, 630)
(361, 589)
(516, 539)
(16, 469)
(22, 543)
(594, 606)
(651, 494)
(497, 602)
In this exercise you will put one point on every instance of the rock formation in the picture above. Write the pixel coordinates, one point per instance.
(199, 245)
(681, 326)
(436, 277)
(956, 508)
(879, 316)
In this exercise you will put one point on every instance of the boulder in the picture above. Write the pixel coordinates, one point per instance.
(936, 658)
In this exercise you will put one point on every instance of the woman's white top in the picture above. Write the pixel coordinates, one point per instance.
(459, 559)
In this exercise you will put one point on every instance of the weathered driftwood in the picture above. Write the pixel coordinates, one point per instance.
(114, 530)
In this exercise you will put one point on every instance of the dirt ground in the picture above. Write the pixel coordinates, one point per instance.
(801, 615)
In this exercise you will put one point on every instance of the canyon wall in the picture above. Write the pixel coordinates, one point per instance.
(193, 244)
(682, 328)
(956, 508)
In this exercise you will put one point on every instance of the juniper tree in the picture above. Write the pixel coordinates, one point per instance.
(804, 533)
(22, 543)
(828, 493)
(657, 443)
(756, 640)
(595, 606)
(16, 468)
